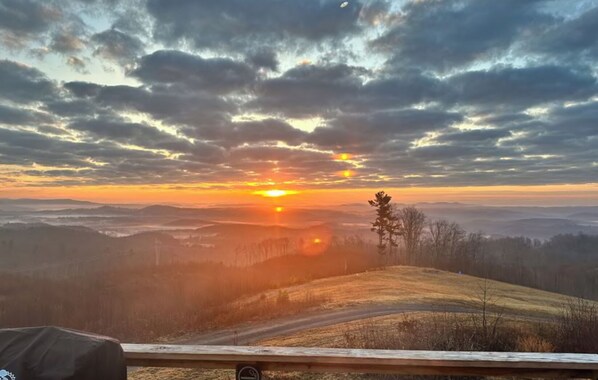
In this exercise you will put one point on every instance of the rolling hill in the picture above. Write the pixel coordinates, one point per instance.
(391, 287)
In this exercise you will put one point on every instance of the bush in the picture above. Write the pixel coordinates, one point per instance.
(534, 343)
(577, 328)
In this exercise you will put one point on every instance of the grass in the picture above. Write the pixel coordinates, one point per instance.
(393, 285)
(404, 284)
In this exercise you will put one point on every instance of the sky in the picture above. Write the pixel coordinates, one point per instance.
(199, 101)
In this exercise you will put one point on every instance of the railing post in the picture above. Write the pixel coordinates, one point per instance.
(248, 372)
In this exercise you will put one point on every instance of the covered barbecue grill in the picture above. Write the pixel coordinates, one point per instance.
(52, 353)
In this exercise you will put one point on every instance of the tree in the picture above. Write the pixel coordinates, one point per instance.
(446, 240)
(380, 225)
(412, 222)
(394, 230)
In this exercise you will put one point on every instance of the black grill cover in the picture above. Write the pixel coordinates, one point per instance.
(50, 353)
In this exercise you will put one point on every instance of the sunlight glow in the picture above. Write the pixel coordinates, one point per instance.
(274, 193)
(279, 209)
(348, 173)
(343, 156)
(317, 241)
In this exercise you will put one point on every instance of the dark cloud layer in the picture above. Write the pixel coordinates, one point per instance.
(23, 84)
(431, 92)
(240, 24)
(26, 17)
(521, 87)
(447, 34)
(217, 75)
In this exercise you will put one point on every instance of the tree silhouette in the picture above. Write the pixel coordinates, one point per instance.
(394, 229)
(381, 224)
(413, 222)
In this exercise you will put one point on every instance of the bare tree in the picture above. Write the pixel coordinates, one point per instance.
(438, 241)
(472, 251)
(446, 239)
(412, 222)
(488, 318)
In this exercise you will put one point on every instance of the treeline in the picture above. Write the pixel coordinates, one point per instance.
(143, 303)
(565, 263)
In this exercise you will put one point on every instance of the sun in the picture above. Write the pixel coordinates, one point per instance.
(279, 209)
(274, 193)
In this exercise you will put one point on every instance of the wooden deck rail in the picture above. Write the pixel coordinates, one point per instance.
(365, 361)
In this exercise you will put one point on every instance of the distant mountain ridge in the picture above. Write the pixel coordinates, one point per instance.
(23, 201)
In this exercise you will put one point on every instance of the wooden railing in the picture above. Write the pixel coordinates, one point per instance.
(365, 361)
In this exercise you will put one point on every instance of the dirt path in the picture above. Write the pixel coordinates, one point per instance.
(248, 334)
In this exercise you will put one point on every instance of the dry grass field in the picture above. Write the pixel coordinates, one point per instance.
(404, 284)
(394, 285)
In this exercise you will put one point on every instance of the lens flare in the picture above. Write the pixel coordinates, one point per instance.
(343, 156)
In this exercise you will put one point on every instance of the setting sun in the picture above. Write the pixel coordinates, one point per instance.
(274, 193)
(279, 209)
(317, 241)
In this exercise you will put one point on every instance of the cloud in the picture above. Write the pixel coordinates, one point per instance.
(24, 84)
(21, 20)
(308, 90)
(19, 116)
(572, 40)
(172, 104)
(365, 133)
(242, 25)
(76, 63)
(66, 42)
(117, 46)
(565, 131)
(249, 132)
(216, 75)
(520, 87)
(263, 58)
(312, 90)
(443, 35)
(147, 137)
(477, 137)
(114, 164)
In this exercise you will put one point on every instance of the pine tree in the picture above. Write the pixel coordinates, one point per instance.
(381, 224)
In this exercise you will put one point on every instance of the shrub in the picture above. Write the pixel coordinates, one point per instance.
(577, 327)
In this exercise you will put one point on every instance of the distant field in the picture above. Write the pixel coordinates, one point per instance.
(393, 285)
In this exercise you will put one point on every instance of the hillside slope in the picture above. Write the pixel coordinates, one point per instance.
(402, 287)
(405, 284)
